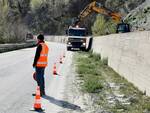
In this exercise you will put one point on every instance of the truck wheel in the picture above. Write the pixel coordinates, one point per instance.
(68, 48)
(90, 44)
(83, 49)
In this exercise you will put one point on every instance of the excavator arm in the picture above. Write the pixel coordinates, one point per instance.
(98, 8)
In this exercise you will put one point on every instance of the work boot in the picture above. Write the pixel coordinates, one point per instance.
(33, 94)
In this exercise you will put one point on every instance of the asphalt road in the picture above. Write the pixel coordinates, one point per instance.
(17, 84)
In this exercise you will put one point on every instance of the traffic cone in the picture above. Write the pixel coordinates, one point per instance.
(61, 60)
(54, 69)
(37, 103)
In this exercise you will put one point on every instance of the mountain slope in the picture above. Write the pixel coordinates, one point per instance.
(54, 16)
(139, 18)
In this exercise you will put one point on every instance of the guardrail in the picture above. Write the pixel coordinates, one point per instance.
(54, 38)
(16, 46)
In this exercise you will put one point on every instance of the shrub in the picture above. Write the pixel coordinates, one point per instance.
(103, 27)
(36, 3)
(92, 84)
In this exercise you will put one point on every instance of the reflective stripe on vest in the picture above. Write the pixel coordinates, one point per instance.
(44, 55)
(42, 61)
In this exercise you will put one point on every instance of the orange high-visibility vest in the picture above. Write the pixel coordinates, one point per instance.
(43, 59)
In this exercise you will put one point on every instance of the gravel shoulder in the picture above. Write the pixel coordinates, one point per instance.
(80, 102)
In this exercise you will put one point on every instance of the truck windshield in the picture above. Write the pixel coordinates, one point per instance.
(123, 28)
(77, 32)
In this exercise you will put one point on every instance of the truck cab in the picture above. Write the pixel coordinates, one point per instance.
(76, 38)
(123, 28)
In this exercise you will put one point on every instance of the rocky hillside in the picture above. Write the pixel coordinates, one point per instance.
(53, 17)
(124, 7)
(17, 17)
(139, 18)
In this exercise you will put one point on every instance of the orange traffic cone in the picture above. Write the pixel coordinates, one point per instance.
(61, 60)
(37, 103)
(54, 69)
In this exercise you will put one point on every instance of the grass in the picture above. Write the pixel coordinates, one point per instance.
(92, 84)
(97, 77)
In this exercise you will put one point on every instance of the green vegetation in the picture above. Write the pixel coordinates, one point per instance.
(3, 12)
(87, 70)
(36, 3)
(103, 27)
(12, 29)
(47, 16)
(112, 92)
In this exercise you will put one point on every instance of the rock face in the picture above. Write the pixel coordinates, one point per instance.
(53, 16)
(139, 18)
(123, 6)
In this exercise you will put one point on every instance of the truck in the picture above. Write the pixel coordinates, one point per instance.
(29, 36)
(77, 38)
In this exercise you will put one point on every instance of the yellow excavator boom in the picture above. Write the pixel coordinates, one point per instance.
(98, 8)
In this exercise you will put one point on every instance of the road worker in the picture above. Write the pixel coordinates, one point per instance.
(40, 62)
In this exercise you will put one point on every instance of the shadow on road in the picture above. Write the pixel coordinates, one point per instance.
(62, 103)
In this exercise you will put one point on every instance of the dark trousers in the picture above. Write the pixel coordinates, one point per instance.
(40, 78)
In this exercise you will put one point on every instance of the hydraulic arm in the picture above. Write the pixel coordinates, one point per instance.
(98, 8)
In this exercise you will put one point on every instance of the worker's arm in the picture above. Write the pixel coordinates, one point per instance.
(37, 55)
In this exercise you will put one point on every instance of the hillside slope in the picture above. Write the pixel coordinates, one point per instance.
(139, 18)
(54, 16)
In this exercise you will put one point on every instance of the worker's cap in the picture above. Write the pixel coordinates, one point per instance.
(40, 37)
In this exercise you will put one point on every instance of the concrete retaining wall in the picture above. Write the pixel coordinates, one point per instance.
(129, 55)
